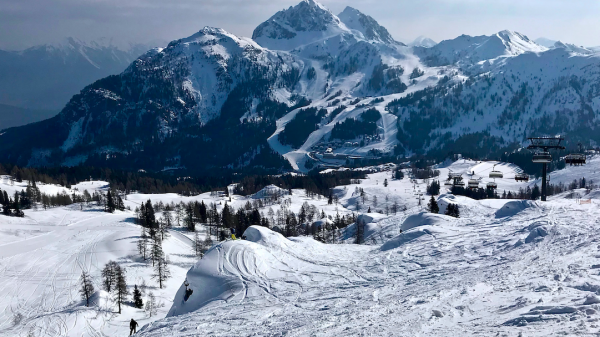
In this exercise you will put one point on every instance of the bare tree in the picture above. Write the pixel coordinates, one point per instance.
(161, 271)
(198, 244)
(109, 275)
(152, 305)
(142, 244)
(87, 288)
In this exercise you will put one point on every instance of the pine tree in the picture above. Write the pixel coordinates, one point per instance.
(360, 231)
(87, 288)
(432, 206)
(120, 286)
(330, 200)
(189, 218)
(535, 193)
(110, 204)
(385, 183)
(137, 298)
(449, 210)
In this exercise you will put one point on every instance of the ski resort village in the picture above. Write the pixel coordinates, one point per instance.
(319, 178)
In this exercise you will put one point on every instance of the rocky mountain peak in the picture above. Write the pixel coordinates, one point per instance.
(368, 27)
(298, 25)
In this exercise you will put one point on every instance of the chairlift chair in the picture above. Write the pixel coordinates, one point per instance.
(492, 185)
(576, 158)
(522, 177)
(496, 174)
(473, 183)
(542, 157)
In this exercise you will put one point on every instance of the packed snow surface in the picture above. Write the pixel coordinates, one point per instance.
(505, 267)
(532, 272)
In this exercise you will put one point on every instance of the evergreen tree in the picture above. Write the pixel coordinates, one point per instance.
(330, 201)
(119, 202)
(189, 218)
(535, 193)
(149, 217)
(120, 286)
(432, 206)
(87, 288)
(433, 188)
(360, 231)
(137, 298)
(110, 204)
(202, 212)
(385, 183)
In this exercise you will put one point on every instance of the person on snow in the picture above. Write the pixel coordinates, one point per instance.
(132, 327)
(222, 235)
(232, 233)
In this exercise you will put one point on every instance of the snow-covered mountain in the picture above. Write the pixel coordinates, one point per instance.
(368, 28)
(473, 49)
(311, 81)
(552, 44)
(423, 41)
(46, 76)
(305, 23)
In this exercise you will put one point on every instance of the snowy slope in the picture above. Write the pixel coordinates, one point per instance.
(530, 273)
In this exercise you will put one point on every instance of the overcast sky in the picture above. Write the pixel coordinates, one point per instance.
(28, 22)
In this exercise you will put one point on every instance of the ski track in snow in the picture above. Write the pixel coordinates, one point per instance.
(505, 267)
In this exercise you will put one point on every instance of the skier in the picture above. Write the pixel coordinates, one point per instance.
(232, 233)
(132, 327)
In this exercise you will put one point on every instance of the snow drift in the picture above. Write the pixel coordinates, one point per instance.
(511, 208)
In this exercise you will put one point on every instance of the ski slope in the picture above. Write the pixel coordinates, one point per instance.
(505, 267)
(531, 272)
(41, 260)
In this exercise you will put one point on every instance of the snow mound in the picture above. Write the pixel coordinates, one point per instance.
(411, 236)
(512, 208)
(236, 270)
(266, 237)
(536, 234)
(424, 219)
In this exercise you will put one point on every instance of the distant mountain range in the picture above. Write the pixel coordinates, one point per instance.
(309, 80)
(46, 77)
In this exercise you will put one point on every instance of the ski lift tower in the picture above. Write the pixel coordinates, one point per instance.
(543, 156)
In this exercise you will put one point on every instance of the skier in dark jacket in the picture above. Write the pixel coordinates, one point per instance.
(132, 327)
(233, 233)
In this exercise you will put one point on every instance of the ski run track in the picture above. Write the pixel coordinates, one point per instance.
(504, 268)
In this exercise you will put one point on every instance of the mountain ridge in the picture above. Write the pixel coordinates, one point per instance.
(217, 101)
